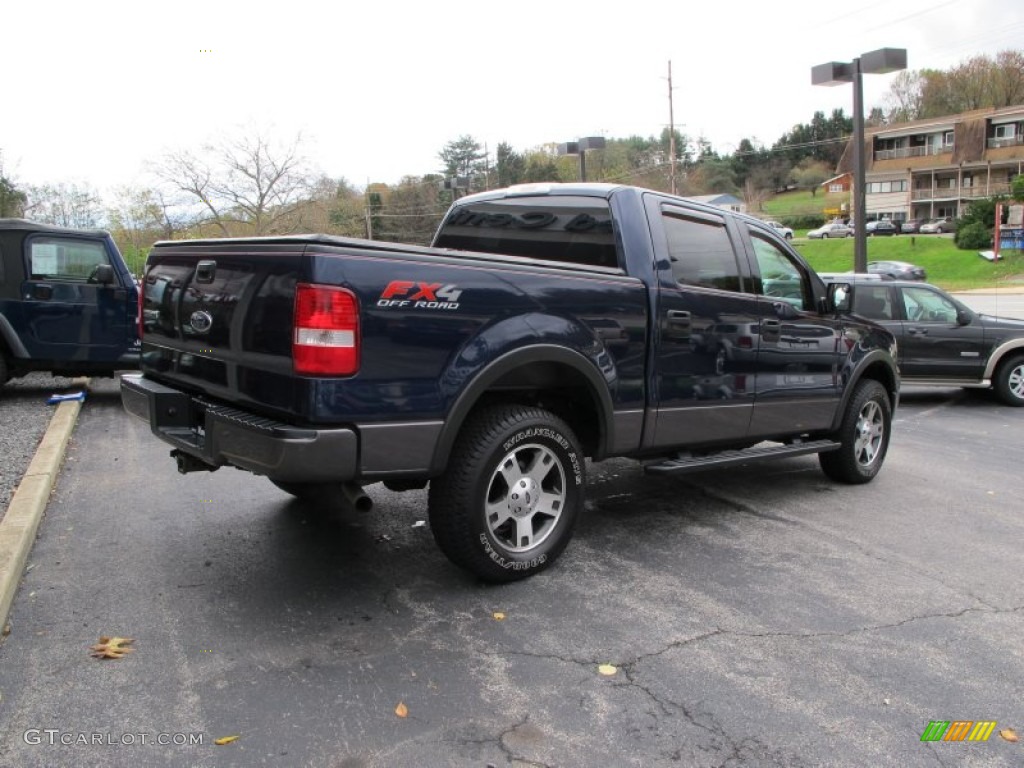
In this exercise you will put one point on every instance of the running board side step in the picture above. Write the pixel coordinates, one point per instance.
(734, 458)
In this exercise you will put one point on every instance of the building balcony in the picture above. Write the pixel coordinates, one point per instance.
(894, 154)
(965, 192)
(1015, 141)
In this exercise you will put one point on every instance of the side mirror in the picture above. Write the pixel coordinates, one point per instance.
(963, 317)
(102, 274)
(840, 296)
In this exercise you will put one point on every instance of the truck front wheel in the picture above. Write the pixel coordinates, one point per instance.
(508, 502)
(863, 436)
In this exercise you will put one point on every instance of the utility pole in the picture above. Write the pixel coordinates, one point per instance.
(671, 135)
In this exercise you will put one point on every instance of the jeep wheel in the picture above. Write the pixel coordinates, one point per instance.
(508, 502)
(863, 436)
(1009, 382)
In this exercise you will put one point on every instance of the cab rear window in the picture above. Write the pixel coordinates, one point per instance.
(576, 230)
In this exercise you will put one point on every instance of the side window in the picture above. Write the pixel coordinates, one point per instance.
(56, 258)
(701, 252)
(923, 305)
(873, 302)
(780, 277)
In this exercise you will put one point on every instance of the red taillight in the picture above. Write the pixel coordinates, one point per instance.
(326, 337)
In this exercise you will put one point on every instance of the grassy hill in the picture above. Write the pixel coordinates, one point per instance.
(800, 202)
(947, 266)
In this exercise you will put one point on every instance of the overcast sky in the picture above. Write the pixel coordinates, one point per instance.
(93, 90)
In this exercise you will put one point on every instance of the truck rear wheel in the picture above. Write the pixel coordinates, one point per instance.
(507, 505)
(863, 436)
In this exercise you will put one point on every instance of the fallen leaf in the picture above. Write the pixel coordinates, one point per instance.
(111, 647)
(1010, 735)
(225, 740)
(499, 616)
(401, 710)
(607, 669)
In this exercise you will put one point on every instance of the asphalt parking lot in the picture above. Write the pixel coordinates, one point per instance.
(759, 616)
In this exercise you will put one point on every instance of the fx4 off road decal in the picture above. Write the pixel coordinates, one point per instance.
(410, 295)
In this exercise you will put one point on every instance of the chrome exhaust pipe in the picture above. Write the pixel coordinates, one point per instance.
(356, 497)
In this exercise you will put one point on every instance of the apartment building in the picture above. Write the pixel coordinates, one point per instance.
(934, 168)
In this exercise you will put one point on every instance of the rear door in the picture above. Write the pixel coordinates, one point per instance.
(706, 339)
(67, 314)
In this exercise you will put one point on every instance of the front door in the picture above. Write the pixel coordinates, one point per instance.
(67, 314)
(933, 342)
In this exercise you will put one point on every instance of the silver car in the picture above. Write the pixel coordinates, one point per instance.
(832, 229)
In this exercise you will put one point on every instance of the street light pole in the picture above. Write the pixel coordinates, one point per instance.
(860, 199)
(882, 61)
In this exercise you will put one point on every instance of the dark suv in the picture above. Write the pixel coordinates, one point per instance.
(940, 340)
(68, 303)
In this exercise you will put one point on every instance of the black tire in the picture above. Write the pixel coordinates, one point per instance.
(863, 436)
(824, 235)
(789, 236)
(532, 514)
(1009, 381)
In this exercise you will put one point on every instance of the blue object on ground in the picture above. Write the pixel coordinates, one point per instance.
(61, 398)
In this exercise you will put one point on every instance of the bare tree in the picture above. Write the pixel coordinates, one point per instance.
(66, 205)
(904, 100)
(1008, 79)
(251, 181)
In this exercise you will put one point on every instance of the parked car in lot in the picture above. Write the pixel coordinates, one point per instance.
(898, 270)
(941, 341)
(832, 229)
(783, 230)
(938, 226)
(880, 227)
(912, 226)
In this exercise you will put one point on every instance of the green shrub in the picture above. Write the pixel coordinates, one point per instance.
(973, 236)
(804, 221)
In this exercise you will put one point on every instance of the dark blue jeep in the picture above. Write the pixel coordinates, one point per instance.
(68, 303)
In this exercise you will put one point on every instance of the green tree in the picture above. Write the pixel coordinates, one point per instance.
(810, 174)
(12, 199)
(463, 157)
(510, 166)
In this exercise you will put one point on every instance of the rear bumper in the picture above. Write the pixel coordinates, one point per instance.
(220, 435)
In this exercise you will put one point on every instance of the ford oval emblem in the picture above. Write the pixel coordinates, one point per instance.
(201, 321)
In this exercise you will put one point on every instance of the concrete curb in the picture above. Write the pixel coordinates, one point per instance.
(19, 525)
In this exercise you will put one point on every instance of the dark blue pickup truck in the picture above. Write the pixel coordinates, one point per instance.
(548, 324)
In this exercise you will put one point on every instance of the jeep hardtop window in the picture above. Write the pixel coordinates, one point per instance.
(572, 229)
(700, 250)
(55, 258)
